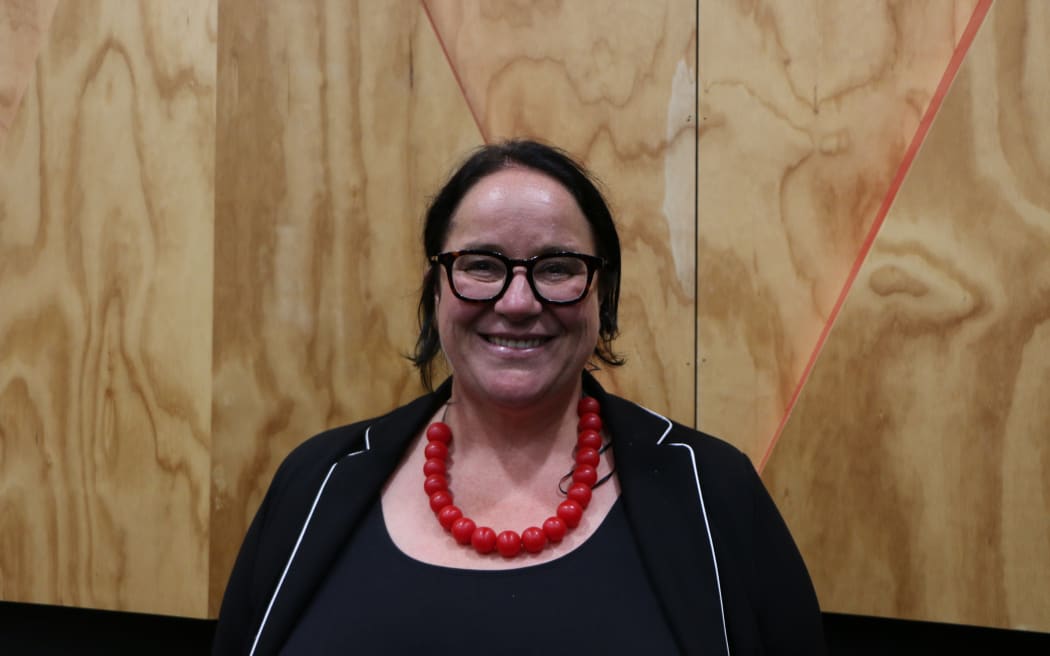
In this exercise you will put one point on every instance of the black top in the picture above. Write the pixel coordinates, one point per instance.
(596, 599)
(708, 535)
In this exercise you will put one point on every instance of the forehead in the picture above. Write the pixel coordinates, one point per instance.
(519, 209)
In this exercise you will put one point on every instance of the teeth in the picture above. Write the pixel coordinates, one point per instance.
(515, 343)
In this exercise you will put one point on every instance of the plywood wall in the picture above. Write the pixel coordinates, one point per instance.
(807, 109)
(23, 25)
(209, 217)
(915, 469)
(106, 223)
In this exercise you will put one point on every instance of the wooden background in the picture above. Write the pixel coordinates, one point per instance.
(208, 252)
(924, 429)
(106, 203)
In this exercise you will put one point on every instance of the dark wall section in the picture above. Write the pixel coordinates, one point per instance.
(855, 635)
(29, 629)
(45, 630)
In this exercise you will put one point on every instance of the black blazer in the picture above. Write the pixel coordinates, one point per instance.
(719, 556)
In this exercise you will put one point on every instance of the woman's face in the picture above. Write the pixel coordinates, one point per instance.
(517, 350)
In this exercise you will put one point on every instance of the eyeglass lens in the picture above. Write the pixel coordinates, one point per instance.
(557, 278)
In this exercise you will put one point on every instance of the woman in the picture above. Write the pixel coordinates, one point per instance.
(518, 508)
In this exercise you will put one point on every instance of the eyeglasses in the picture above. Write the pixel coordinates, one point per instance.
(556, 278)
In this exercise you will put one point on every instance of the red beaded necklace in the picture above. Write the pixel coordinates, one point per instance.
(533, 539)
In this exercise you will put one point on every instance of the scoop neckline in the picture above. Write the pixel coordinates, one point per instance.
(616, 507)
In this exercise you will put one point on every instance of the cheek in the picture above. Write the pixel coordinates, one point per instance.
(450, 312)
(441, 313)
(584, 320)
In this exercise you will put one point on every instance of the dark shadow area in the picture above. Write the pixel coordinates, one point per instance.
(29, 629)
(861, 636)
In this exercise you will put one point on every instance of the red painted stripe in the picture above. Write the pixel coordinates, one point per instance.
(455, 72)
(954, 63)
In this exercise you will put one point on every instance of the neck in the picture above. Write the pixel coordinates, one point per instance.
(510, 432)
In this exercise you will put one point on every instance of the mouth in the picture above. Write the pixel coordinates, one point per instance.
(507, 342)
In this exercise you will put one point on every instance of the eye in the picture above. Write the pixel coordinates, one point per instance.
(480, 267)
(559, 268)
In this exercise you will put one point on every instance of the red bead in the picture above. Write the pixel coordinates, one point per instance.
(580, 493)
(463, 529)
(435, 483)
(483, 539)
(440, 499)
(439, 432)
(533, 539)
(555, 528)
(588, 404)
(585, 474)
(508, 543)
(587, 456)
(448, 516)
(433, 466)
(436, 450)
(589, 421)
(589, 439)
(570, 512)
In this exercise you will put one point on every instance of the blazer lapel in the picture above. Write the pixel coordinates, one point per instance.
(660, 492)
(353, 484)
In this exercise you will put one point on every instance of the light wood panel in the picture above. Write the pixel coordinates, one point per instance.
(615, 84)
(23, 25)
(915, 470)
(105, 334)
(806, 111)
(336, 121)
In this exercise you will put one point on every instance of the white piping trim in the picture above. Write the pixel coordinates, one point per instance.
(302, 532)
(710, 541)
(703, 511)
(666, 430)
(288, 565)
(368, 445)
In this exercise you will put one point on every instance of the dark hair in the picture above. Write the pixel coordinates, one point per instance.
(549, 161)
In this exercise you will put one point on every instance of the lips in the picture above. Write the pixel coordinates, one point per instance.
(516, 343)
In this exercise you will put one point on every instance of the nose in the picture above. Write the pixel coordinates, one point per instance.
(518, 301)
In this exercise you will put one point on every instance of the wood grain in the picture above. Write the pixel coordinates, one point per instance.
(105, 336)
(806, 111)
(23, 26)
(614, 84)
(915, 470)
(335, 123)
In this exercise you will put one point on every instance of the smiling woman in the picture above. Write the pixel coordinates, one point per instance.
(578, 517)
(516, 351)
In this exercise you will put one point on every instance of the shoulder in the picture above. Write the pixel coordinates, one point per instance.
(691, 464)
(314, 456)
(644, 431)
(708, 448)
(294, 487)
(306, 465)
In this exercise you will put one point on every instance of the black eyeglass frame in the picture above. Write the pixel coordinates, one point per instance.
(592, 262)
